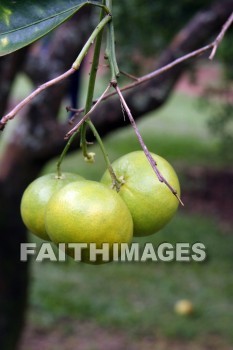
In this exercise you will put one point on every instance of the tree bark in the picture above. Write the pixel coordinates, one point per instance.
(10, 65)
(19, 166)
(39, 136)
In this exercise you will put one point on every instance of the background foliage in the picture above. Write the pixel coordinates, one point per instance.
(154, 25)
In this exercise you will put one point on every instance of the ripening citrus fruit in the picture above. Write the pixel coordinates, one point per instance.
(151, 203)
(36, 197)
(88, 212)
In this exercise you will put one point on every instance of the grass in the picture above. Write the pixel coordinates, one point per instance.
(139, 297)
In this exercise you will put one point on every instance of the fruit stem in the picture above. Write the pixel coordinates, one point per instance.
(144, 148)
(110, 52)
(90, 93)
(89, 101)
(65, 150)
(97, 31)
(96, 34)
(91, 88)
(116, 183)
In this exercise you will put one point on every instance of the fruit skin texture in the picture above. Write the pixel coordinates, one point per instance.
(35, 199)
(151, 203)
(88, 212)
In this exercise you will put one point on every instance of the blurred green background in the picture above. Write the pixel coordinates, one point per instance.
(134, 302)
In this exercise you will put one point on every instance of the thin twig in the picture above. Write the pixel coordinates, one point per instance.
(147, 153)
(220, 36)
(86, 116)
(73, 69)
(74, 116)
(128, 75)
(72, 109)
(157, 72)
(36, 92)
(161, 70)
(214, 45)
(77, 111)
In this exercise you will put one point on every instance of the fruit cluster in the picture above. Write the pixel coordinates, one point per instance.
(70, 209)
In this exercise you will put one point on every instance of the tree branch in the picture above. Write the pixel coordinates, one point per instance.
(9, 67)
(73, 69)
(86, 116)
(214, 45)
(138, 81)
(30, 97)
(154, 92)
(142, 143)
(220, 36)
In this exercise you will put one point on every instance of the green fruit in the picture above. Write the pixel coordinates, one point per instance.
(151, 203)
(36, 197)
(88, 212)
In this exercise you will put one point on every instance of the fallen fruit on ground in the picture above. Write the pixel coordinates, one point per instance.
(151, 203)
(88, 212)
(35, 199)
(183, 307)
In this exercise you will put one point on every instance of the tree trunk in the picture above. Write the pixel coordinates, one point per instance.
(19, 166)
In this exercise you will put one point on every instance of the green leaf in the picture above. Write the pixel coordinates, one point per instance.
(22, 22)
